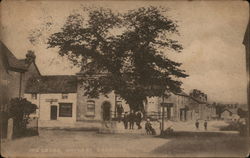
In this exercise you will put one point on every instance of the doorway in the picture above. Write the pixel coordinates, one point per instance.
(106, 113)
(53, 112)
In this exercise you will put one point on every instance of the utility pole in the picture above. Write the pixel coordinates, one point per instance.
(163, 112)
(115, 104)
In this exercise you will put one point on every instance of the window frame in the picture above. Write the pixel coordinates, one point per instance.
(34, 96)
(65, 95)
(90, 111)
(60, 114)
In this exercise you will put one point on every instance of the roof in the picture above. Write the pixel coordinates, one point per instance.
(12, 62)
(188, 96)
(52, 84)
(182, 94)
(233, 111)
(27, 65)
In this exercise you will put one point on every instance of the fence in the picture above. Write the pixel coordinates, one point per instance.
(153, 115)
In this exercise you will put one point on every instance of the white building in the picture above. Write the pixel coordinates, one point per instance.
(55, 97)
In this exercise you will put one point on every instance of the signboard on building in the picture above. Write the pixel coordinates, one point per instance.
(51, 100)
(167, 104)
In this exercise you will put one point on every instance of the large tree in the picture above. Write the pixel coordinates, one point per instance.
(123, 52)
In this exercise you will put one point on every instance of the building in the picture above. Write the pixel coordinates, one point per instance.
(97, 109)
(199, 104)
(12, 71)
(14, 74)
(230, 114)
(177, 107)
(56, 98)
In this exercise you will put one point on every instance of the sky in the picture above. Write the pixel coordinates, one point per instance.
(211, 33)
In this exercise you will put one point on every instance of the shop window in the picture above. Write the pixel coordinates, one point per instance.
(65, 109)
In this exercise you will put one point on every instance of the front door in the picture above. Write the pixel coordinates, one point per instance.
(169, 113)
(53, 112)
(106, 111)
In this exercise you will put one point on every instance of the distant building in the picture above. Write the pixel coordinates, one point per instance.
(230, 114)
(202, 109)
(180, 107)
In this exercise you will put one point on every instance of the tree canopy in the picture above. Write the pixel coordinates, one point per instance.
(123, 52)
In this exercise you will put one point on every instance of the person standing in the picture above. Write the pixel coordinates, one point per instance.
(131, 120)
(138, 119)
(205, 124)
(197, 124)
(125, 120)
(120, 110)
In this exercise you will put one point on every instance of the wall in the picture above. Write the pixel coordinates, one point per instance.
(44, 111)
(82, 105)
(9, 85)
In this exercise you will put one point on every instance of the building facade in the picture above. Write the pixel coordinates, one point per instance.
(56, 98)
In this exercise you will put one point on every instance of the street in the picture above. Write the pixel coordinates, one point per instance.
(82, 143)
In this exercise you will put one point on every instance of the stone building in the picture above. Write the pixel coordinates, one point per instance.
(97, 109)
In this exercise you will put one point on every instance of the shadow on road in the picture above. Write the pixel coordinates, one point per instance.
(211, 144)
(200, 134)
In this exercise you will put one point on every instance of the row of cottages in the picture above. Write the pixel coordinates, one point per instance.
(182, 107)
(62, 102)
(14, 74)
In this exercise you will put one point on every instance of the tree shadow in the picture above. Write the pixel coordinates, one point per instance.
(211, 144)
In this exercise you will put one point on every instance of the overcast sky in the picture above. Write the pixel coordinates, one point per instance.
(211, 33)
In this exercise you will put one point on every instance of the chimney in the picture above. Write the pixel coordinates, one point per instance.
(30, 57)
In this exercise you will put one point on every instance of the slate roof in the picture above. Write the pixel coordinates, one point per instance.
(27, 65)
(11, 61)
(52, 84)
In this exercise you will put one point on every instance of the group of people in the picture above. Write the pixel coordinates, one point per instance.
(131, 118)
(204, 124)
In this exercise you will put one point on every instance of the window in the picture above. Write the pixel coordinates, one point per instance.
(90, 108)
(65, 109)
(64, 95)
(34, 96)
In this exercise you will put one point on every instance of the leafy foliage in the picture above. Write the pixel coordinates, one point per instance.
(19, 109)
(124, 53)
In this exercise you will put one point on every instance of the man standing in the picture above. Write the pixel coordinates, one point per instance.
(138, 119)
(205, 124)
(120, 110)
(131, 120)
(125, 120)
